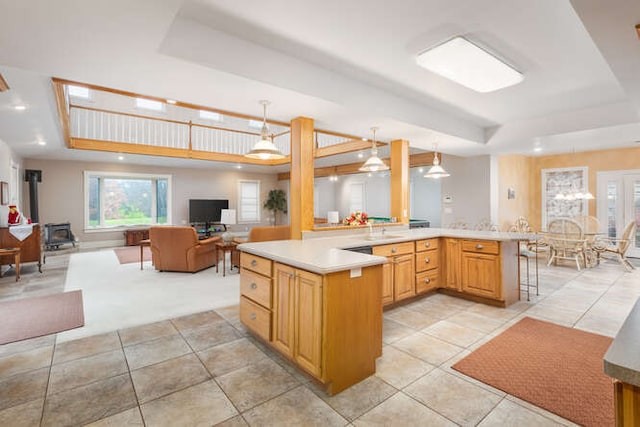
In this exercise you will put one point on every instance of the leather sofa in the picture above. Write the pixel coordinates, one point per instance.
(261, 234)
(177, 248)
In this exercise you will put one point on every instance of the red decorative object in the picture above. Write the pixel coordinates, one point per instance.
(356, 218)
(14, 215)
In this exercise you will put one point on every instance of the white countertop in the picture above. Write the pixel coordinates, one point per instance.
(622, 359)
(325, 255)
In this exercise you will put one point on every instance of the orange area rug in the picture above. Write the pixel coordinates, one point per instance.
(132, 254)
(554, 367)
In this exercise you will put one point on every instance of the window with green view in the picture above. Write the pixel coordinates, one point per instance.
(114, 200)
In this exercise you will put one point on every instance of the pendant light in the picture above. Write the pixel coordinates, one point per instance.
(264, 149)
(373, 163)
(436, 171)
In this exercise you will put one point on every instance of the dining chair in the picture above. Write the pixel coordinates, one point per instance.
(617, 247)
(566, 241)
(485, 224)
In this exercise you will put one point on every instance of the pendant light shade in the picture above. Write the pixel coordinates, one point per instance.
(436, 171)
(374, 163)
(264, 149)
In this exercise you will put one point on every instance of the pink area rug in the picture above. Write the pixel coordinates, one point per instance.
(34, 317)
(132, 254)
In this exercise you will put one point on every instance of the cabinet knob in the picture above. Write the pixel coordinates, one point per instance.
(252, 316)
(254, 286)
(427, 260)
(427, 244)
(254, 263)
(292, 276)
(479, 246)
(427, 280)
(394, 250)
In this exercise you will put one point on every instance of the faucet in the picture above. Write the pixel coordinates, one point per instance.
(370, 228)
(383, 230)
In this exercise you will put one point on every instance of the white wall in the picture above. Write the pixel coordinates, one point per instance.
(7, 157)
(469, 188)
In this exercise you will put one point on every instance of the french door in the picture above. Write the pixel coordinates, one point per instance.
(621, 204)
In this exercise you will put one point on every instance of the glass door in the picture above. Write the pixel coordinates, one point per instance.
(632, 209)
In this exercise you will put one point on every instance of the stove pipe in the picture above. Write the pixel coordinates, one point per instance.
(33, 177)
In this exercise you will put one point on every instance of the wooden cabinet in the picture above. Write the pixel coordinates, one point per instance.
(427, 265)
(255, 294)
(398, 280)
(481, 275)
(297, 316)
(30, 247)
(133, 237)
(452, 264)
(329, 325)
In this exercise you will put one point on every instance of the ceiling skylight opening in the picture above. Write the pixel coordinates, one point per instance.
(79, 92)
(210, 115)
(465, 63)
(149, 104)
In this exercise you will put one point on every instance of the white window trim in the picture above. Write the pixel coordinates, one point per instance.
(123, 175)
(258, 205)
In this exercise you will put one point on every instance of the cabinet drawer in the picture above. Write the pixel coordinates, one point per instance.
(256, 287)
(427, 281)
(256, 318)
(393, 249)
(481, 246)
(427, 260)
(255, 263)
(426, 245)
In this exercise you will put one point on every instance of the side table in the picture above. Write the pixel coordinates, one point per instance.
(15, 252)
(143, 243)
(225, 247)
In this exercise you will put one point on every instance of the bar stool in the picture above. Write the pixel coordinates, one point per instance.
(529, 255)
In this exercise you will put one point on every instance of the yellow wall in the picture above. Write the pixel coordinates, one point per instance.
(596, 161)
(513, 172)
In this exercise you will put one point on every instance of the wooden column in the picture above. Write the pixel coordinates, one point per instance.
(400, 180)
(301, 177)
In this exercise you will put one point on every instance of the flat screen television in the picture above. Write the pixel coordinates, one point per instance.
(206, 210)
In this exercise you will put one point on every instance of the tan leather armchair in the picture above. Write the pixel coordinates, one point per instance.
(261, 234)
(177, 248)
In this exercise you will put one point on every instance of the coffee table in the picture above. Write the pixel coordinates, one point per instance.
(225, 247)
(15, 252)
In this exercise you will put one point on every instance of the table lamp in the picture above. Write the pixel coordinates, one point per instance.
(227, 217)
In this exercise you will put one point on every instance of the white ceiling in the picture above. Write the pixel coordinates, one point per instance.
(349, 65)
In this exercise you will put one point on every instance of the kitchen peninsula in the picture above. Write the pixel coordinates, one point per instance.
(320, 304)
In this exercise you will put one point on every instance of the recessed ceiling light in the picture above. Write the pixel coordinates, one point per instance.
(171, 101)
(41, 142)
(469, 65)
(364, 139)
(537, 149)
(120, 157)
(238, 166)
(360, 155)
(20, 107)
(420, 170)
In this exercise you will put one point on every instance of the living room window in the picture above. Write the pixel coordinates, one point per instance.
(126, 199)
(248, 201)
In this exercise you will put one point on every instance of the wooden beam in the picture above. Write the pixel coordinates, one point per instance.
(638, 30)
(63, 112)
(400, 180)
(301, 183)
(344, 147)
(4, 86)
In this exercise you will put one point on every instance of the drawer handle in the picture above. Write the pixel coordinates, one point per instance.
(252, 316)
(254, 263)
(427, 260)
(479, 246)
(427, 245)
(254, 286)
(394, 250)
(427, 280)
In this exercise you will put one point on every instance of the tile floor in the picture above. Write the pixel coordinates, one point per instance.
(204, 369)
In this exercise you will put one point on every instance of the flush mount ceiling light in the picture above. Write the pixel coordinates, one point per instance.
(264, 149)
(469, 65)
(373, 163)
(436, 171)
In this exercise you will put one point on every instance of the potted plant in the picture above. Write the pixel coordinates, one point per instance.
(276, 202)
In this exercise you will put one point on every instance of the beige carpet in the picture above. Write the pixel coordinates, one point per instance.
(554, 367)
(132, 254)
(34, 317)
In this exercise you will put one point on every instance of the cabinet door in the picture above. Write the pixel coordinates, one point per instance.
(481, 275)
(403, 277)
(452, 267)
(387, 282)
(283, 289)
(308, 321)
